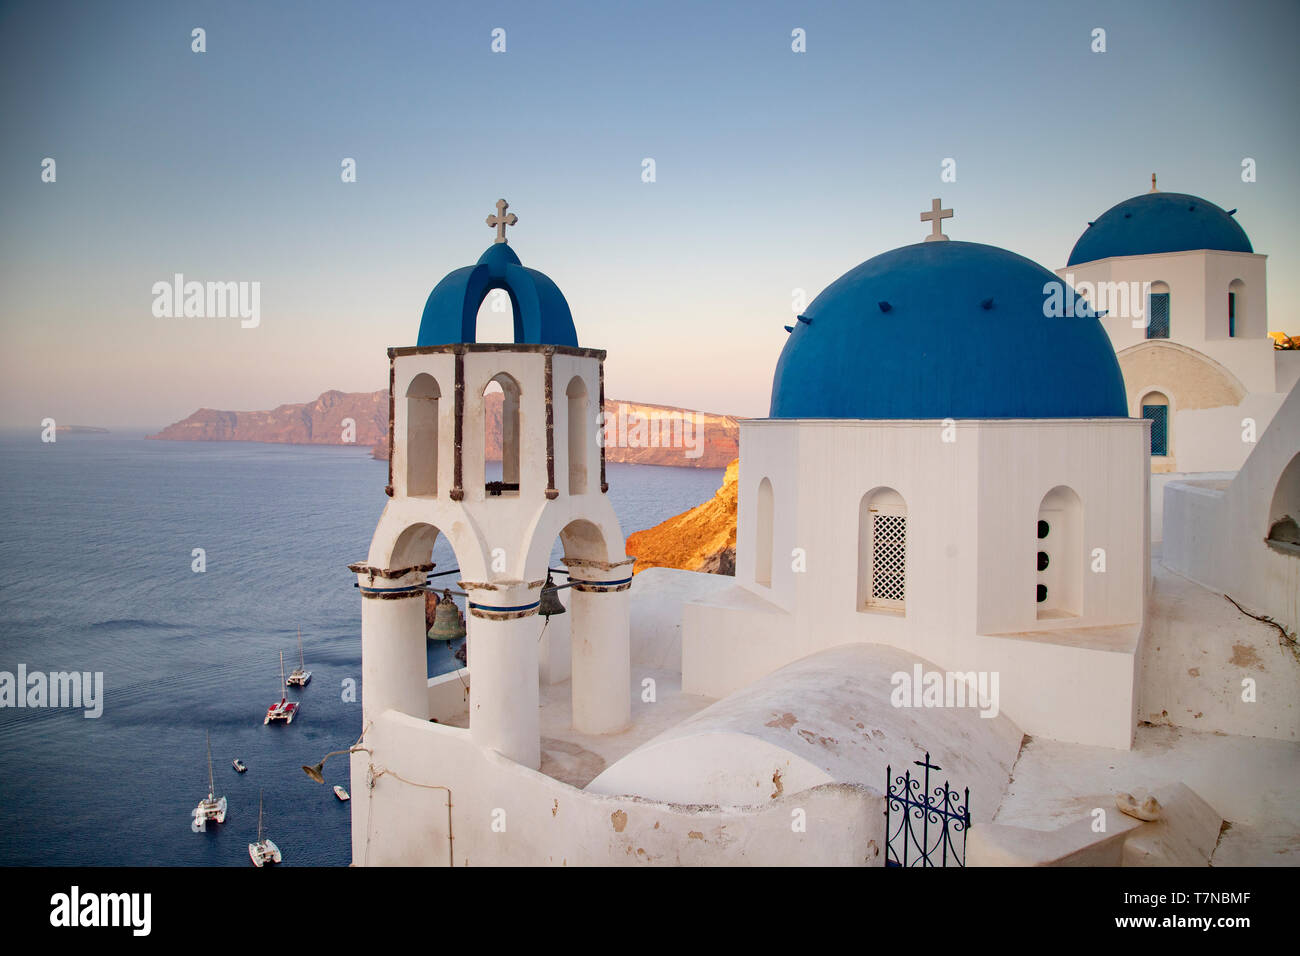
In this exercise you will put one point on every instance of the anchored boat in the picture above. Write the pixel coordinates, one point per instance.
(286, 709)
(211, 807)
(264, 850)
(341, 793)
(299, 676)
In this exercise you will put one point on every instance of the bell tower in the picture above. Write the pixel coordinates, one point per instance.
(503, 531)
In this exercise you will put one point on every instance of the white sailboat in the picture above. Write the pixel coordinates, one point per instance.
(212, 807)
(286, 709)
(299, 676)
(264, 850)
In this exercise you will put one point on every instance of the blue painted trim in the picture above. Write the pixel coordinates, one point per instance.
(579, 581)
(503, 610)
(413, 587)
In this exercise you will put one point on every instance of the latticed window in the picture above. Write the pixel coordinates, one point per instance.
(1158, 415)
(888, 559)
(1158, 313)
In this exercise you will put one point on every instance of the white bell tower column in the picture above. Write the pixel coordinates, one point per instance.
(503, 689)
(393, 663)
(602, 693)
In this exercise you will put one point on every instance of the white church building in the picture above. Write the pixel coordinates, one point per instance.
(943, 546)
(1185, 300)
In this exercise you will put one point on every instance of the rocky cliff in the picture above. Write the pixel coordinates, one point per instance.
(321, 422)
(702, 539)
(636, 432)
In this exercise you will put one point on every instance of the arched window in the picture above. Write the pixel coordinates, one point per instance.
(495, 321)
(1158, 314)
(422, 435)
(1155, 409)
(577, 395)
(763, 536)
(1236, 306)
(882, 550)
(1059, 560)
(504, 386)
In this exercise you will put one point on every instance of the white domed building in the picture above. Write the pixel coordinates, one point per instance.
(950, 472)
(1184, 297)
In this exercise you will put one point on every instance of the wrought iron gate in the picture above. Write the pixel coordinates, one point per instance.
(921, 824)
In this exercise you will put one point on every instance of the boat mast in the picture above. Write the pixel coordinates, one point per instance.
(259, 816)
(212, 787)
(302, 663)
(282, 683)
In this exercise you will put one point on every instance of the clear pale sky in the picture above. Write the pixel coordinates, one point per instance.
(775, 171)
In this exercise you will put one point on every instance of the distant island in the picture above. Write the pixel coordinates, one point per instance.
(80, 430)
(322, 423)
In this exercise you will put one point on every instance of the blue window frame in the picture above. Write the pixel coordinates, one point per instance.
(1232, 314)
(1158, 415)
(1158, 313)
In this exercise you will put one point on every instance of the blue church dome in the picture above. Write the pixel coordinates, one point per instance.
(946, 330)
(1160, 222)
(541, 313)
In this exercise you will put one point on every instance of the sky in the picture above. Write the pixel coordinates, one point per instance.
(775, 171)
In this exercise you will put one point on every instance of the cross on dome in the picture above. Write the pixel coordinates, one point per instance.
(501, 220)
(1153, 183)
(935, 216)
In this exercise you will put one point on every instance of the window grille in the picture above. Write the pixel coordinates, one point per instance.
(888, 559)
(1158, 415)
(1158, 313)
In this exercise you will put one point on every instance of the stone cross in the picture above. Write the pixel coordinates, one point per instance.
(501, 220)
(936, 215)
(1153, 183)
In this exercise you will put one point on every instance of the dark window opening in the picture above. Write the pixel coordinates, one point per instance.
(1158, 314)
(1158, 415)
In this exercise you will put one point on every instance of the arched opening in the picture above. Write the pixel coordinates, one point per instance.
(763, 535)
(495, 321)
(1284, 511)
(882, 551)
(423, 544)
(501, 434)
(1059, 561)
(1236, 306)
(422, 435)
(577, 395)
(1158, 311)
(1155, 409)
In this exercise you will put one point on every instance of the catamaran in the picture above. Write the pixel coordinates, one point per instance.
(299, 676)
(286, 709)
(264, 850)
(212, 807)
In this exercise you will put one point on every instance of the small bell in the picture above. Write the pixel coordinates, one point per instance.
(550, 603)
(448, 625)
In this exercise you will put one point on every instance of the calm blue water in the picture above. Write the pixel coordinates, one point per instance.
(96, 535)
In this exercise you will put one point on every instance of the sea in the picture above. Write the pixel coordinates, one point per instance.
(100, 538)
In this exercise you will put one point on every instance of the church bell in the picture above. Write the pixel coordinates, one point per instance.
(448, 625)
(550, 603)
